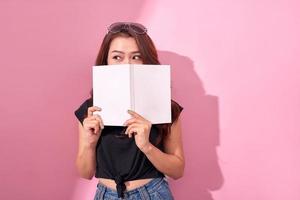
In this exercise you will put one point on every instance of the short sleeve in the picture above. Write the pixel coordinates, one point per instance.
(81, 111)
(180, 107)
(176, 110)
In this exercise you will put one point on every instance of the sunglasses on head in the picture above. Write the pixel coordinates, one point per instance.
(126, 26)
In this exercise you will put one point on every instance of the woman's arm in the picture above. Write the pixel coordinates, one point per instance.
(89, 133)
(172, 161)
(86, 157)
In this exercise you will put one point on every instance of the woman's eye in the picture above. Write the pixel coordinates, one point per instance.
(137, 57)
(116, 57)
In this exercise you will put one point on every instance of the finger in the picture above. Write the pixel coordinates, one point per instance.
(99, 119)
(96, 130)
(133, 120)
(92, 120)
(88, 126)
(101, 122)
(92, 125)
(93, 109)
(135, 114)
(96, 126)
(133, 132)
(94, 116)
(130, 129)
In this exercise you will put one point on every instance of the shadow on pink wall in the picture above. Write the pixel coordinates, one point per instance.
(200, 126)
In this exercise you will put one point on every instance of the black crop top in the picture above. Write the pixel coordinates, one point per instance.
(119, 158)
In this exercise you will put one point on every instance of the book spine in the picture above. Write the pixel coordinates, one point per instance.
(132, 95)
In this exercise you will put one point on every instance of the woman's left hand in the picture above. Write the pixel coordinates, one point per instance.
(140, 128)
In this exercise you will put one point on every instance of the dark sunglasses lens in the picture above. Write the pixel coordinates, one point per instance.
(117, 27)
(138, 28)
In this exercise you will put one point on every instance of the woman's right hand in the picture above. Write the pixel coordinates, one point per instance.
(92, 126)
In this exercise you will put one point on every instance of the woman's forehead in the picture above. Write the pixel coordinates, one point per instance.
(123, 44)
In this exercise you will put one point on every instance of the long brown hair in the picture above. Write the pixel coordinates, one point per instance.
(149, 56)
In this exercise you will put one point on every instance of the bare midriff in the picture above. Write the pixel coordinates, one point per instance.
(130, 185)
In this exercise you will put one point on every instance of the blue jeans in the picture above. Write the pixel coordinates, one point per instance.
(156, 189)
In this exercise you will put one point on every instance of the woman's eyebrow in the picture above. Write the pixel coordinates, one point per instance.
(116, 51)
(135, 52)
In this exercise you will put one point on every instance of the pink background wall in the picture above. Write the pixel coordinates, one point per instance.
(235, 70)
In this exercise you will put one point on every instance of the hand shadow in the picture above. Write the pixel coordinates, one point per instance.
(200, 130)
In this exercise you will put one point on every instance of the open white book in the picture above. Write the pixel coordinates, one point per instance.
(145, 89)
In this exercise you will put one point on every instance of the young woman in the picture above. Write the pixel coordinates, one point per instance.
(131, 167)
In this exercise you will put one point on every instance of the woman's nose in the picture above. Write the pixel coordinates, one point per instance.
(126, 61)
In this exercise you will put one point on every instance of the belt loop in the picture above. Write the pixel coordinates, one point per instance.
(144, 193)
(102, 190)
(103, 193)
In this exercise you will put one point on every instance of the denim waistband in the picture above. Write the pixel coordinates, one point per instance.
(151, 187)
